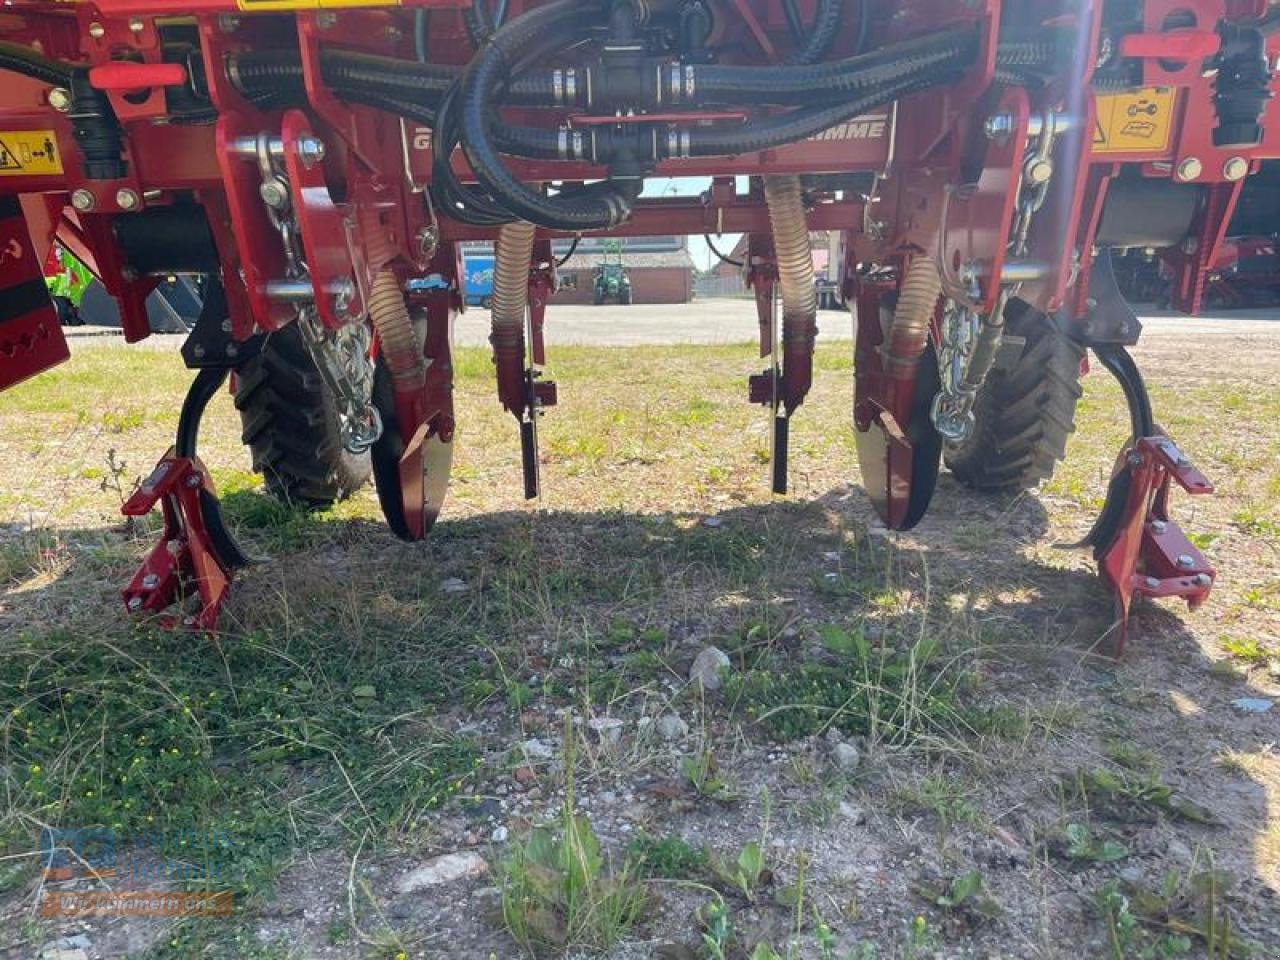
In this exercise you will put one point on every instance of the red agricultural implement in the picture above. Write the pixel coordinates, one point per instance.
(318, 163)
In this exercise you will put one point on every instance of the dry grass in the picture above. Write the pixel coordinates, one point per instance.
(356, 700)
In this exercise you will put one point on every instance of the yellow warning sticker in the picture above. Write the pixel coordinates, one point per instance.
(29, 153)
(1136, 121)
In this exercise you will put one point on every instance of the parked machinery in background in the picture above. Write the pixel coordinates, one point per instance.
(612, 282)
(318, 163)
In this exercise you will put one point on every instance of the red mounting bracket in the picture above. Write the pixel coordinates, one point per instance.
(187, 554)
(1149, 555)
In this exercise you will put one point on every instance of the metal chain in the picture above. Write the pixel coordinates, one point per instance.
(963, 328)
(342, 356)
(952, 410)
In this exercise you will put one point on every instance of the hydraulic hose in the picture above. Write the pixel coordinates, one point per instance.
(909, 333)
(800, 124)
(19, 59)
(826, 25)
(511, 258)
(794, 256)
(598, 206)
(350, 71)
(714, 83)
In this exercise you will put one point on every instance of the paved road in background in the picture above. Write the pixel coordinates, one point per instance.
(712, 321)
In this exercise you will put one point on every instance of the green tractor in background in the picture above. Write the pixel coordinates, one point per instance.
(612, 282)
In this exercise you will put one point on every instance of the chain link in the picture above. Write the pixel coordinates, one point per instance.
(342, 356)
(962, 327)
(952, 410)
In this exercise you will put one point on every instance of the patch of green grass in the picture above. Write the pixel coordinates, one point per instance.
(243, 746)
(1250, 650)
(895, 693)
(1132, 795)
(26, 554)
(669, 857)
(1081, 843)
(559, 891)
(1257, 522)
(948, 798)
(219, 938)
(123, 421)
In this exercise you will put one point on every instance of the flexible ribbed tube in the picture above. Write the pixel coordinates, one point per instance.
(401, 349)
(791, 246)
(909, 334)
(512, 255)
(794, 256)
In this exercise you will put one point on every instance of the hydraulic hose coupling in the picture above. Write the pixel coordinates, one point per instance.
(511, 258)
(794, 255)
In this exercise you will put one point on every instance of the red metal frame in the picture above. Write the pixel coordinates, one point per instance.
(945, 190)
(185, 556)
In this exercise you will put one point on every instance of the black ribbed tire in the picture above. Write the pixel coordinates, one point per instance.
(291, 427)
(1025, 411)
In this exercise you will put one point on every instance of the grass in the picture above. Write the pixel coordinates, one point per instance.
(559, 892)
(352, 709)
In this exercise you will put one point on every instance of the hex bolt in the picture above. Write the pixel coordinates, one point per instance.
(60, 99)
(193, 480)
(82, 200)
(127, 199)
(228, 23)
(1185, 561)
(97, 31)
(188, 621)
(325, 19)
(1159, 526)
(310, 149)
(1190, 168)
(1235, 168)
(136, 25)
(150, 581)
(135, 603)
(1153, 583)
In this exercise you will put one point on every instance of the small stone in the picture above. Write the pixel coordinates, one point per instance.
(712, 522)
(453, 585)
(525, 775)
(852, 812)
(500, 835)
(707, 667)
(442, 869)
(608, 729)
(536, 749)
(1133, 874)
(1253, 704)
(74, 947)
(845, 755)
(671, 726)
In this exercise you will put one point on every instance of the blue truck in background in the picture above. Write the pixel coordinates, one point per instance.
(477, 272)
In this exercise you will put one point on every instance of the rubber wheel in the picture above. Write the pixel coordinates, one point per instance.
(1025, 410)
(290, 424)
